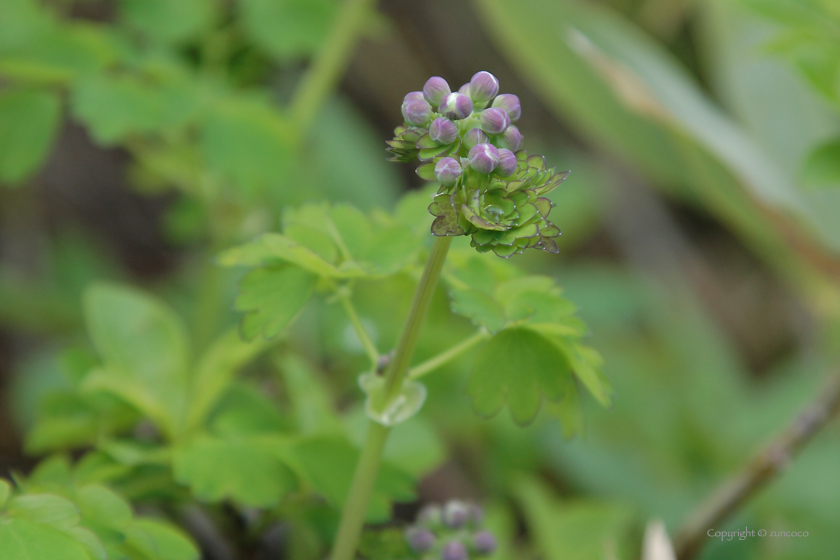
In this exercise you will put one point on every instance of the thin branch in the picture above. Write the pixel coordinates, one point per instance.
(447, 355)
(361, 332)
(764, 467)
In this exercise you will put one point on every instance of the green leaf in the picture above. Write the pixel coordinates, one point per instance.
(822, 168)
(162, 540)
(90, 541)
(216, 369)
(479, 307)
(517, 367)
(47, 509)
(272, 298)
(247, 410)
(5, 492)
(248, 471)
(287, 28)
(21, 539)
(167, 21)
(144, 347)
(328, 464)
(102, 507)
(248, 142)
(28, 124)
(309, 396)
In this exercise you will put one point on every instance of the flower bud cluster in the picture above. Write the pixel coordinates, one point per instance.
(450, 532)
(491, 189)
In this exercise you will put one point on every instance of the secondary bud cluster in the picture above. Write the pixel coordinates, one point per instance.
(450, 532)
(490, 188)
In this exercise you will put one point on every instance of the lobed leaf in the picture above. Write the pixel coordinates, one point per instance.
(272, 298)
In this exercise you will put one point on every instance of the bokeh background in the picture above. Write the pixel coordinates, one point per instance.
(701, 222)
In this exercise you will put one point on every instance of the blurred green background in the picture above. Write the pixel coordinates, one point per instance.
(701, 225)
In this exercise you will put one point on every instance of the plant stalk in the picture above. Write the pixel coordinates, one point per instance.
(353, 515)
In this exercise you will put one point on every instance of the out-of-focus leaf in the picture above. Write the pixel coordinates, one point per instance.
(657, 545)
(482, 309)
(144, 347)
(248, 142)
(518, 366)
(573, 529)
(328, 464)
(163, 540)
(47, 509)
(21, 539)
(28, 123)
(248, 471)
(102, 507)
(272, 298)
(90, 541)
(5, 491)
(308, 394)
(165, 21)
(822, 168)
(246, 410)
(287, 28)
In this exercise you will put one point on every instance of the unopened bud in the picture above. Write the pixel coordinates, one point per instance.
(483, 158)
(494, 121)
(447, 171)
(455, 106)
(434, 89)
(420, 540)
(443, 131)
(455, 512)
(510, 139)
(417, 112)
(507, 163)
(509, 103)
(483, 87)
(473, 137)
(484, 542)
(454, 550)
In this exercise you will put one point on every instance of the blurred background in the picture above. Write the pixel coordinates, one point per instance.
(701, 224)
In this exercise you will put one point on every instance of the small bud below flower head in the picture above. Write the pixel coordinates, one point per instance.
(443, 131)
(509, 103)
(447, 171)
(454, 550)
(484, 542)
(507, 163)
(417, 112)
(494, 121)
(483, 87)
(455, 512)
(455, 106)
(473, 137)
(483, 158)
(510, 139)
(434, 90)
(420, 540)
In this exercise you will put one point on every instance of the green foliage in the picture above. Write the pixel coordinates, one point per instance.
(822, 168)
(272, 298)
(289, 27)
(28, 123)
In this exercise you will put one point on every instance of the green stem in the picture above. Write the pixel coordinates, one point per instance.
(353, 515)
(361, 332)
(325, 71)
(447, 356)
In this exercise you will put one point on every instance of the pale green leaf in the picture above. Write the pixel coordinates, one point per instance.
(248, 471)
(517, 366)
(822, 168)
(167, 21)
(28, 124)
(47, 509)
(21, 539)
(103, 507)
(287, 28)
(162, 540)
(479, 307)
(272, 298)
(90, 541)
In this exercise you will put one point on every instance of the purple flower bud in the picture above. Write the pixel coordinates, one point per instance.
(483, 87)
(443, 131)
(494, 121)
(454, 550)
(483, 158)
(456, 106)
(484, 542)
(509, 103)
(510, 139)
(465, 89)
(473, 137)
(420, 540)
(435, 88)
(447, 171)
(455, 512)
(507, 163)
(417, 112)
(413, 96)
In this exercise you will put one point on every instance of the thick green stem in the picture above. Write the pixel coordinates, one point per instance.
(353, 515)
(324, 73)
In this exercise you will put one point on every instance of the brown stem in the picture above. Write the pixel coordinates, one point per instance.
(733, 493)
